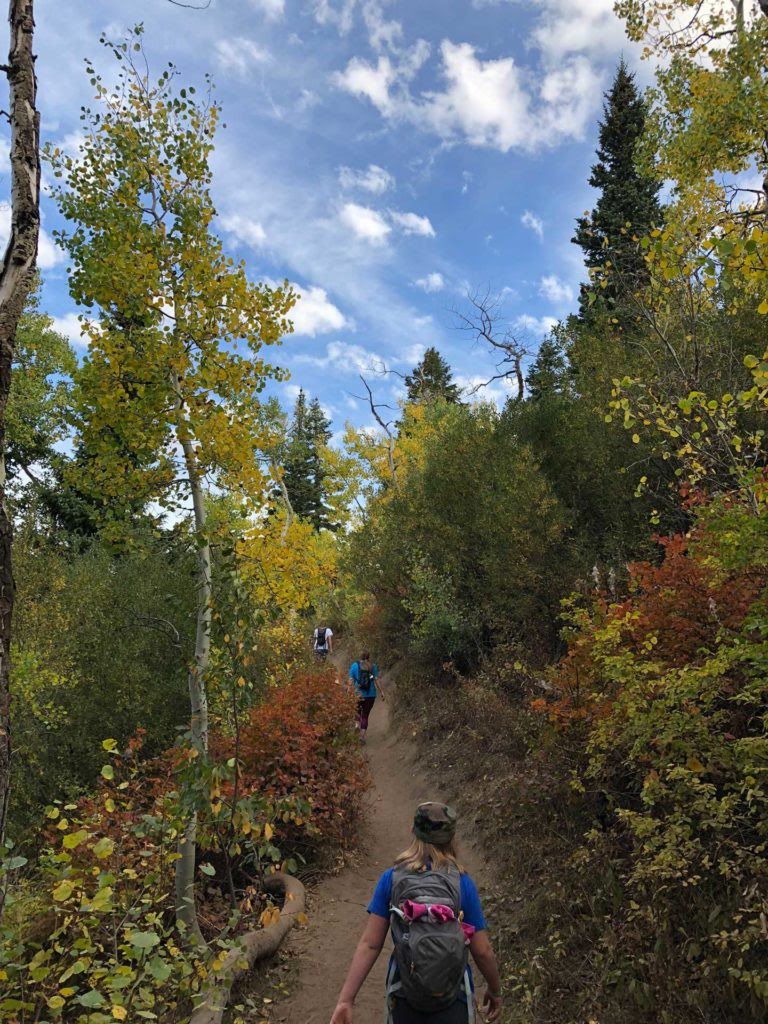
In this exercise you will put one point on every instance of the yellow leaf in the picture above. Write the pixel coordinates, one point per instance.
(119, 1012)
(63, 890)
(268, 831)
(763, 307)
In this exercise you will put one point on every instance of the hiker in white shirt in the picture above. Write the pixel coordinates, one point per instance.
(322, 641)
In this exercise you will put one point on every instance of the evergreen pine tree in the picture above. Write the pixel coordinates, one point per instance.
(298, 458)
(628, 203)
(548, 374)
(432, 378)
(319, 432)
(303, 471)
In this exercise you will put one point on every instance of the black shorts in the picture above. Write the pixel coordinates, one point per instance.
(405, 1014)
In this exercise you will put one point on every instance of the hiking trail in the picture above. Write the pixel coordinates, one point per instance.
(337, 911)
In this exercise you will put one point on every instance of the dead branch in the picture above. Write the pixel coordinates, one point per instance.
(485, 322)
(386, 426)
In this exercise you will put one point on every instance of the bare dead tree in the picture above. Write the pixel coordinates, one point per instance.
(16, 278)
(485, 322)
(386, 426)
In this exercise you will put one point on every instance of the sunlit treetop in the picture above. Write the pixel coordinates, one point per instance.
(176, 328)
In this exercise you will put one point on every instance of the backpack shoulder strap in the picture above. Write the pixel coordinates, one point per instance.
(453, 875)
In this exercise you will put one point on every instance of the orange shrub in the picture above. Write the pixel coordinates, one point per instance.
(300, 743)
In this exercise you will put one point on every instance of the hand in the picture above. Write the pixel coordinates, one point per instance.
(342, 1014)
(491, 1006)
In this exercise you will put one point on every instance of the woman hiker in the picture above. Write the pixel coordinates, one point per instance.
(363, 675)
(433, 909)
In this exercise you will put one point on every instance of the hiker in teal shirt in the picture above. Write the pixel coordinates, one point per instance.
(363, 675)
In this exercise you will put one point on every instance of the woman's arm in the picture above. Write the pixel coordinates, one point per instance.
(363, 959)
(483, 955)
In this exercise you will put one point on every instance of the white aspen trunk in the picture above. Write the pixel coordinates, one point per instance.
(186, 912)
(16, 276)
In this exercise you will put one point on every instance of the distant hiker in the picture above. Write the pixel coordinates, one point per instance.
(322, 641)
(363, 675)
(432, 907)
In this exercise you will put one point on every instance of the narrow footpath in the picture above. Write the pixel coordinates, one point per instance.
(337, 913)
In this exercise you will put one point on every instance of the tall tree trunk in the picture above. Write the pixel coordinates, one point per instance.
(186, 913)
(16, 277)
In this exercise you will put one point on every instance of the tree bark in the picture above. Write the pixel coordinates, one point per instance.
(16, 277)
(186, 912)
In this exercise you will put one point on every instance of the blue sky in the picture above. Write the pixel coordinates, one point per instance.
(386, 156)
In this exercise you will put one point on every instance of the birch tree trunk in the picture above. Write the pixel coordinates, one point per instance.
(16, 276)
(186, 912)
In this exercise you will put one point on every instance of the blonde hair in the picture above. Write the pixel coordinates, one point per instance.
(420, 855)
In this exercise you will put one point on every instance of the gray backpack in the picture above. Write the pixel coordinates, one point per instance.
(431, 956)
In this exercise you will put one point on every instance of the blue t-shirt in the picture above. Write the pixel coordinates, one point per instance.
(470, 900)
(354, 675)
(471, 907)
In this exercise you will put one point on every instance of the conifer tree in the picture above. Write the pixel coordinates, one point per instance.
(628, 204)
(304, 473)
(431, 378)
(548, 373)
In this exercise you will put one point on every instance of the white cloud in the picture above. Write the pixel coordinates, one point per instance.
(485, 103)
(556, 290)
(5, 156)
(433, 282)
(371, 82)
(49, 255)
(244, 230)
(364, 222)
(578, 26)
(534, 223)
(538, 325)
(413, 223)
(346, 358)
(342, 16)
(314, 313)
(69, 325)
(375, 179)
(273, 10)
(381, 32)
(239, 55)
(384, 84)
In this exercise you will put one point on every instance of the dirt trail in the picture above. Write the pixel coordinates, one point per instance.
(337, 914)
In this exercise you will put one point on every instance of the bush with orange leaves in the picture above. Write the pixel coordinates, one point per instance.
(665, 693)
(300, 744)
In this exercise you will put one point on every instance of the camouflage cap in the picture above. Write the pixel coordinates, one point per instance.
(434, 823)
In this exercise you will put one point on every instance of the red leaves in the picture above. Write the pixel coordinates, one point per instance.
(677, 613)
(300, 743)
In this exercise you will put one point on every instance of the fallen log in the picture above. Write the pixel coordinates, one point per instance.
(250, 948)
